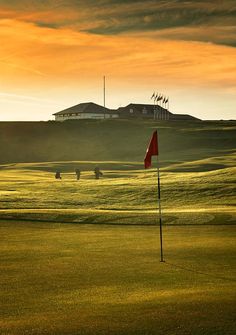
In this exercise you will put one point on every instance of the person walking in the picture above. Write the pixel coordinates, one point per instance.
(97, 173)
(78, 173)
(58, 175)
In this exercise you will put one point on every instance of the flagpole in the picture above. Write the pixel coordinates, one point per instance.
(160, 213)
(165, 109)
(152, 150)
(104, 95)
(157, 107)
(168, 107)
(154, 111)
(160, 108)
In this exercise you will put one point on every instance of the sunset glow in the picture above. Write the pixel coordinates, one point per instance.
(54, 55)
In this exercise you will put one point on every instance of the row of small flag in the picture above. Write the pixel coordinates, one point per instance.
(159, 97)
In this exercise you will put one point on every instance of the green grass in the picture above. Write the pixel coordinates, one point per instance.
(122, 196)
(114, 140)
(197, 171)
(102, 275)
(70, 279)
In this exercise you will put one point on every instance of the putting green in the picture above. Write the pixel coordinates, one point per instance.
(93, 279)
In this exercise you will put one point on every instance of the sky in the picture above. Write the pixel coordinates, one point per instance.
(54, 55)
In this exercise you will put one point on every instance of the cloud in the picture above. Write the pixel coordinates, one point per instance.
(63, 48)
(123, 17)
(215, 34)
(48, 57)
(9, 97)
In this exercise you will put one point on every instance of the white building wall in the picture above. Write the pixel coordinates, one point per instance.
(79, 116)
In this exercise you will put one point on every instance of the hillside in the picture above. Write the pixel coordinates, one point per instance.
(197, 172)
(115, 140)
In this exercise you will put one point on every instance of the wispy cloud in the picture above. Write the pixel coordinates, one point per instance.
(24, 98)
(69, 56)
(56, 47)
(111, 17)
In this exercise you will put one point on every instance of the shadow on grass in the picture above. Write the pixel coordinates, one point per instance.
(199, 272)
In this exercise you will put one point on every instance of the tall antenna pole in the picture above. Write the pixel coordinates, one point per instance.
(104, 95)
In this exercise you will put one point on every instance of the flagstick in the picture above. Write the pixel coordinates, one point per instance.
(159, 205)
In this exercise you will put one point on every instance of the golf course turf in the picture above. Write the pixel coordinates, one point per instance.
(83, 256)
(70, 279)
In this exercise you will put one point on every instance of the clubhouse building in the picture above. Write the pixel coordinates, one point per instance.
(90, 110)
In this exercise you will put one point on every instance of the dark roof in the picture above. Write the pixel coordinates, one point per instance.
(90, 107)
(140, 107)
(183, 117)
(87, 107)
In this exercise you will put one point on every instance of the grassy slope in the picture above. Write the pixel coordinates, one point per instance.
(113, 140)
(81, 279)
(70, 279)
(120, 197)
(198, 173)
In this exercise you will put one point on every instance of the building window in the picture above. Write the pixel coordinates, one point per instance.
(131, 111)
(144, 110)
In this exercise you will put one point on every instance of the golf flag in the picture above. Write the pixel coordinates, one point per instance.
(152, 150)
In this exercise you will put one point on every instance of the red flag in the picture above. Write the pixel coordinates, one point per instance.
(152, 150)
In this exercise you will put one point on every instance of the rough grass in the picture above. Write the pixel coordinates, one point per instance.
(70, 279)
(116, 140)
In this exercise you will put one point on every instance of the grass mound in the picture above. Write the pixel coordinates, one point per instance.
(113, 140)
(197, 171)
(30, 191)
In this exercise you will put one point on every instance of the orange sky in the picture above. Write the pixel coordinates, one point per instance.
(44, 69)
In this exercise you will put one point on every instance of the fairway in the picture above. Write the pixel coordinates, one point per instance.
(197, 172)
(126, 194)
(82, 256)
(70, 279)
(118, 167)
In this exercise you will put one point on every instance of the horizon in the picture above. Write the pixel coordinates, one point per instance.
(60, 51)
